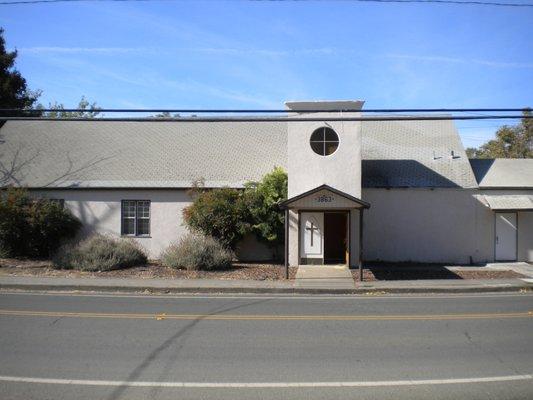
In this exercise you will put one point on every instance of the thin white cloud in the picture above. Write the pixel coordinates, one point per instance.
(203, 50)
(82, 50)
(207, 90)
(267, 52)
(489, 63)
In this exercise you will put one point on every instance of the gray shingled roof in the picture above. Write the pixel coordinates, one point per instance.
(509, 202)
(503, 172)
(169, 154)
(142, 154)
(414, 154)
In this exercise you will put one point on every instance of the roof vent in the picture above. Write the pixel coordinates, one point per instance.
(453, 156)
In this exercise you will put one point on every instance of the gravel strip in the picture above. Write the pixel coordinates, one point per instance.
(251, 271)
(402, 272)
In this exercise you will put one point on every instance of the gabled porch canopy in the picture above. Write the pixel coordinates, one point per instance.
(324, 196)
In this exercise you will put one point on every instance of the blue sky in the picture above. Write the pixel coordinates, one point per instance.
(237, 54)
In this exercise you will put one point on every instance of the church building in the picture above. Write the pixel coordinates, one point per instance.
(387, 190)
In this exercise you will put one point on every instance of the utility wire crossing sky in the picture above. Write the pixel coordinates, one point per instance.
(258, 54)
(455, 2)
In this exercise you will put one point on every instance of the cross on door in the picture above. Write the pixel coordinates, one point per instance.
(312, 229)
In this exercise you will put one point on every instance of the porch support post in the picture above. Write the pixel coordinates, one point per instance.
(361, 244)
(286, 243)
(350, 257)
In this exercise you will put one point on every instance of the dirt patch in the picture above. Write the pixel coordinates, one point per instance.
(367, 275)
(405, 272)
(247, 271)
(489, 274)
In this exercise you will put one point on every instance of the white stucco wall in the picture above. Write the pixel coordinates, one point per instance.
(440, 225)
(340, 170)
(100, 212)
(250, 249)
(525, 236)
(524, 223)
(293, 238)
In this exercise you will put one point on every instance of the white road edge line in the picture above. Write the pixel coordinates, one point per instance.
(281, 385)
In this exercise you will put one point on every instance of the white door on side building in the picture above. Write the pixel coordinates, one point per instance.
(505, 240)
(312, 237)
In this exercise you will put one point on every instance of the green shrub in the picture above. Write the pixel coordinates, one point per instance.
(263, 201)
(229, 214)
(33, 228)
(3, 253)
(197, 252)
(219, 213)
(100, 253)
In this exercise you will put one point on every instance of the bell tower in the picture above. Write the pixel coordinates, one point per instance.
(324, 152)
(323, 213)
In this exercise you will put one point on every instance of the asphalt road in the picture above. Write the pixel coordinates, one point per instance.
(60, 346)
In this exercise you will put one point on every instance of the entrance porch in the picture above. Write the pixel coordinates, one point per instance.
(324, 237)
(324, 226)
(513, 233)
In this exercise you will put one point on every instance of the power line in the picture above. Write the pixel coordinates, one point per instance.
(264, 111)
(275, 119)
(453, 2)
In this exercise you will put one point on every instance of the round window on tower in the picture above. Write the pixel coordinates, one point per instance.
(324, 141)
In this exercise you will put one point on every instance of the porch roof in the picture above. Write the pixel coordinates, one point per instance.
(348, 201)
(510, 202)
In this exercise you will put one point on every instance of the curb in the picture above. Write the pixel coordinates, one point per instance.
(236, 290)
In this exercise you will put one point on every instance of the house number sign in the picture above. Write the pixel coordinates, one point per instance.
(324, 199)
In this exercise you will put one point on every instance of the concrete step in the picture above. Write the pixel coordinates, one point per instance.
(324, 276)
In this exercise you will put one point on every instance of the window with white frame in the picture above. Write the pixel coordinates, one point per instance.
(136, 217)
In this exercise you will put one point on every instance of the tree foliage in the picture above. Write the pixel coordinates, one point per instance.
(14, 92)
(263, 201)
(511, 142)
(87, 110)
(229, 214)
(167, 115)
(33, 228)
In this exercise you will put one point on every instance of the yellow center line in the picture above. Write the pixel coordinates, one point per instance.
(163, 316)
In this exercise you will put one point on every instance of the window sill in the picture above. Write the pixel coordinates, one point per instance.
(136, 237)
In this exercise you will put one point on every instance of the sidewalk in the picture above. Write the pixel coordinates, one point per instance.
(249, 286)
(335, 277)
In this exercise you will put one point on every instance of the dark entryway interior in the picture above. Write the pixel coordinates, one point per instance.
(335, 237)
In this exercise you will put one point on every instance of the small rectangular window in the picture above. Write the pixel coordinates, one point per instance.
(143, 218)
(135, 217)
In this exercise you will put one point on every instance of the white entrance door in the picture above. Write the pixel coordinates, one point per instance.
(312, 235)
(505, 237)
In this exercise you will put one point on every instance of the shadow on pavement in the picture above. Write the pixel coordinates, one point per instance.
(400, 272)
